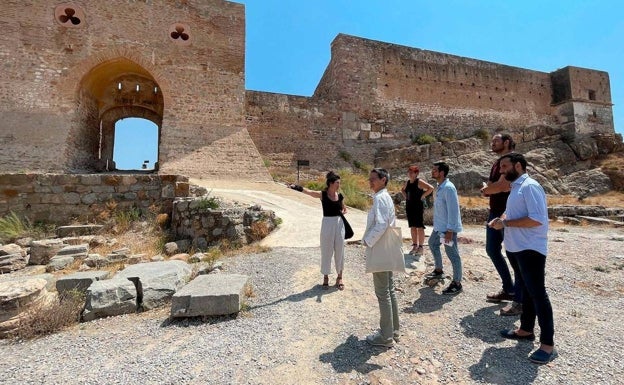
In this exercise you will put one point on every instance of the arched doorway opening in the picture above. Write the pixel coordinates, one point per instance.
(111, 92)
(126, 154)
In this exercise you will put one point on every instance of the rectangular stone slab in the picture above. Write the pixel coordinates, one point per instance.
(79, 281)
(210, 295)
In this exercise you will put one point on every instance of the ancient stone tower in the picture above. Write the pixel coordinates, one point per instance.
(70, 70)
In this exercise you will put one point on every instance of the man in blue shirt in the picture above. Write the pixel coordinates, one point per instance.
(525, 222)
(446, 225)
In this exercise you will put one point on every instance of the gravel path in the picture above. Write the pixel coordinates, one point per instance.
(295, 333)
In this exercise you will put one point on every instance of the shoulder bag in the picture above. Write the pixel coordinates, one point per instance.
(347, 226)
(387, 253)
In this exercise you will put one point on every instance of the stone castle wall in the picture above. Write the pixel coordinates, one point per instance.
(377, 96)
(62, 198)
(179, 64)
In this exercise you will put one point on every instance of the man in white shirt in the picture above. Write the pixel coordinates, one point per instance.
(525, 222)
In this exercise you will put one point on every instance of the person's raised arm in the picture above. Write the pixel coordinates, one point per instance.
(312, 193)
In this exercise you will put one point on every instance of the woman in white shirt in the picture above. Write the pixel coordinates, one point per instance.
(380, 217)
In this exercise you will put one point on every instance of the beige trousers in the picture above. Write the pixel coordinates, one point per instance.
(332, 244)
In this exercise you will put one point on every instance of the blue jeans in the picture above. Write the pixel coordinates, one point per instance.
(388, 308)
(452, 252)
(532, 266)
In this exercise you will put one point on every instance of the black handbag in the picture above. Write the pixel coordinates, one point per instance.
(348, 229)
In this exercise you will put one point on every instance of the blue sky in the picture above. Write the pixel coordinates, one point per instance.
(288, 41)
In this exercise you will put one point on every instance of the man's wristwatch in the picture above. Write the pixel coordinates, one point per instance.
(504, 222)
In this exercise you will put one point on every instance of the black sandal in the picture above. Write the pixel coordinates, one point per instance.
(325, 284)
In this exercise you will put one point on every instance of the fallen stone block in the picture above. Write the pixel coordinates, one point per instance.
(156, 282)
(59, 263)
(11, 249)
(137, 287)
(210, 295)
(42, 251)
(12, 262)
(76, 251)
(18, 296)
(79, 281)
(110, 297)
(96, 260)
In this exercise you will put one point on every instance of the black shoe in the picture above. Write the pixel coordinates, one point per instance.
(453, 289)
(435, 274)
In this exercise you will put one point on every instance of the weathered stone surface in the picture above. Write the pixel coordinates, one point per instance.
(59, 263)
(210, 295)
(137, 287)
(12, 248)
(96, 261)
(109, 298)
(158, 280)
(76, 230)
(12, 262)
(18, 296)
(76, 251)
(42, 251)
(79, 281)
(171, 248)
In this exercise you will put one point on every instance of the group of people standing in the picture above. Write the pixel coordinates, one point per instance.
(518, 217)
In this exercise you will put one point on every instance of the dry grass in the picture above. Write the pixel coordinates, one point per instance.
(49, 317)
(610, 199)
(260, 229)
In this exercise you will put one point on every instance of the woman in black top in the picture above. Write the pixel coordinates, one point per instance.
(415, 191)
(332, 227)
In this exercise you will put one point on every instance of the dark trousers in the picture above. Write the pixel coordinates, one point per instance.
(535, 303)
(494, 249)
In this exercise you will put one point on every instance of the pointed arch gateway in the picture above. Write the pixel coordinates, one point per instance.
(111, 91)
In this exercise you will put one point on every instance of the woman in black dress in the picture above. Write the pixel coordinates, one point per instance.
(415, 192)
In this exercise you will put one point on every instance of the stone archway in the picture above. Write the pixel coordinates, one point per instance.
(115, 89)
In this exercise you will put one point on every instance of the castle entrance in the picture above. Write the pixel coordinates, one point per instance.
(120, 110)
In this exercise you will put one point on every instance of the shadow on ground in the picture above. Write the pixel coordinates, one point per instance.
(486, 325)
(353, 354)
(428, 301)
(315, 291)
(494, 367)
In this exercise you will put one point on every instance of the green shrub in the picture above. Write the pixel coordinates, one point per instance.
(208, 203)
(345, 156)
(446, 139)
(482, 134)
(315, 185)
(424, 139)
(13, 226)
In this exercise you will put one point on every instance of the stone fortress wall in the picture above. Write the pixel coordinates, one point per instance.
(375, 96)
(71, 70)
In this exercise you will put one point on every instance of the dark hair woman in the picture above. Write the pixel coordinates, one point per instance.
(332, 227)
(415, 192)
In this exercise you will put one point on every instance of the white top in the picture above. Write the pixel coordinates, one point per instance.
(527, 199)
(380, 217)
